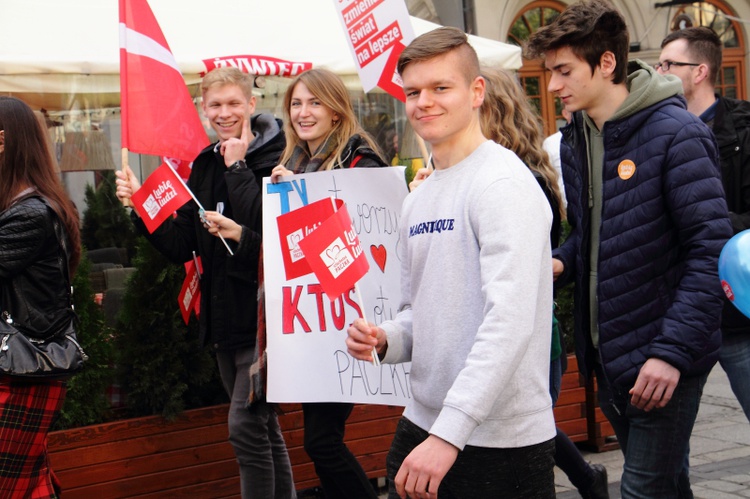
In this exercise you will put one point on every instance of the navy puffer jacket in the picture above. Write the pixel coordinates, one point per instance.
(661, 234)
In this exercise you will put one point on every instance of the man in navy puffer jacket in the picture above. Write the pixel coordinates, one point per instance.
(648, 216)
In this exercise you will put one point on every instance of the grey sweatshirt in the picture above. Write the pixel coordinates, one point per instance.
(476, 315)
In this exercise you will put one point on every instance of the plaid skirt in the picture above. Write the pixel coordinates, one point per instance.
(27, 410)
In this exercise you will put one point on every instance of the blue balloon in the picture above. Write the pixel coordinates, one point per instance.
(734, 271)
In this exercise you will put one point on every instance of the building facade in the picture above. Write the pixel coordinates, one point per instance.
(649, 23)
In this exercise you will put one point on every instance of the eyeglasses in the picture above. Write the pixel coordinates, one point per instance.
(665, 65)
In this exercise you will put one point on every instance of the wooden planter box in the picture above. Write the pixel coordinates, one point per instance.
(190, 456)
(570, 410)
(577, 412)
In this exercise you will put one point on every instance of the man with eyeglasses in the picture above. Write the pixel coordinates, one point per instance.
(730, 121)
(666, 64)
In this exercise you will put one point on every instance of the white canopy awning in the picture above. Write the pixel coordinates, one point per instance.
(53, 49)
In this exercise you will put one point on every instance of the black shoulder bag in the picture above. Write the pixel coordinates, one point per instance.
(58, 356)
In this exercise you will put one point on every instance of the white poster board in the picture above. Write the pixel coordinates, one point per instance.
(373, 29)
(307, 357)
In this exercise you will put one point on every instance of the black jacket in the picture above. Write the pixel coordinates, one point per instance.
(732, 130)
(32, 261)
(357, 153)
(229, 284)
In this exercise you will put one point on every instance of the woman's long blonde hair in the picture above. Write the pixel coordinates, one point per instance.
(331, 91)
(508, 119)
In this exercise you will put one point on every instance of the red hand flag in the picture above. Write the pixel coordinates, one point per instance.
(158, 115)
(190, 292)
(295, 226)
(160, 196)
(335, 254)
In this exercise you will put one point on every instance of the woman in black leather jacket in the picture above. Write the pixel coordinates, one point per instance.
(31, 259)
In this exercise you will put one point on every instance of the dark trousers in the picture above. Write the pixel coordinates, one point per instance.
(341, 475)
(656, 444)
(567, 456)
(479, 472)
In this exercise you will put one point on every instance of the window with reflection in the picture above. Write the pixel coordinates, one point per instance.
(720, 18)
(532, 75)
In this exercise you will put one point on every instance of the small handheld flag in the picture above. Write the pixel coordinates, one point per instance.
(161, 194)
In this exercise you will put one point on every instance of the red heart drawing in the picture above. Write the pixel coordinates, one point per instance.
(379, 254)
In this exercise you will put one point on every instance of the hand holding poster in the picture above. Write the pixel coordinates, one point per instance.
(306, 331)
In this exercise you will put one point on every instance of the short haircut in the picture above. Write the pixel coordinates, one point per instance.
(439, 42)
(590, 28)
(703, 45)
(228, 76)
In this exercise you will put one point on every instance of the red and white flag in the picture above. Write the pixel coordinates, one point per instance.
(161, 194)
(335, 254)
(189, 297)
(158, 115)
(295, 226)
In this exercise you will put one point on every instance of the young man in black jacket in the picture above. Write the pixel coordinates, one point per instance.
(227, 178)
(694, 55)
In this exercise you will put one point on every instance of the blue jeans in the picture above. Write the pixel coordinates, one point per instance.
(255, 435)
(656, 444)
(479, 472)
(734, 358)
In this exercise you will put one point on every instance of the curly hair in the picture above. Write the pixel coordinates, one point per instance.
(590, 28)
(507, 118)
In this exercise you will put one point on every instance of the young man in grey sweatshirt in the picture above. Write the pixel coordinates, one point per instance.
(476, 311)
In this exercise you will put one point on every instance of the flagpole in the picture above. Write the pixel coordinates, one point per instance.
(425, 154)
(200, 206)
(124, 156)
(375, 358)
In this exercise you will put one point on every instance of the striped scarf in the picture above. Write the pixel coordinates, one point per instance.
(302, 162)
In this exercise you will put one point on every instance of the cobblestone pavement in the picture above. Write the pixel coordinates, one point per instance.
(719, 449)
